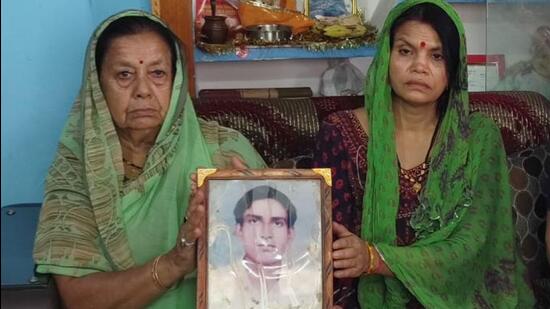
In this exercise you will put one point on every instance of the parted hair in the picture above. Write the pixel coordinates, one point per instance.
(131, 25)
(261, 193)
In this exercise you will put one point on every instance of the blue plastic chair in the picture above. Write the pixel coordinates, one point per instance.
(21, 287)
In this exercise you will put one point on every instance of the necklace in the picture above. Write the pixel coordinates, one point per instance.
(131, 170)
(131, 164)
(415, 175)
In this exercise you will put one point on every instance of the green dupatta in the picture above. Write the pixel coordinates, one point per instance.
(91, 219)
(465, 253)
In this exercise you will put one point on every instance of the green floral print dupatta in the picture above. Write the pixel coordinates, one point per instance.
(465, 253)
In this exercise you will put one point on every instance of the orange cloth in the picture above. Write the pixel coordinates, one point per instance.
(251, 14)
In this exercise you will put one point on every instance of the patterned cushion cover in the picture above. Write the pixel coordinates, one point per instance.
(522, 116)
(278, 128)
(530, 183)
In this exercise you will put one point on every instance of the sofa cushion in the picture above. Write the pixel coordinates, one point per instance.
(530, 182)
(522, 116)
(277, 128)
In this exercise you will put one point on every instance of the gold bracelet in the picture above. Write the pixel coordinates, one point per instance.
(373, 260)
(155, 275)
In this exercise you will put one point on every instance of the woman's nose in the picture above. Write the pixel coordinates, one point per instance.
(420, 64)
(143, 88)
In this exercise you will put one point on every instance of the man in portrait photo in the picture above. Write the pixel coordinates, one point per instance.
(265, 276)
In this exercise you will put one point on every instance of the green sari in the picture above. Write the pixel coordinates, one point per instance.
(465, 253)
(94, 221)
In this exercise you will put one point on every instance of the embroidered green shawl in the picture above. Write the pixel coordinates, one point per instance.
(465, 253)
(91, 219)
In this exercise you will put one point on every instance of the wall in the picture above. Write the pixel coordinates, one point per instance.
(516, 21)
(43, 45)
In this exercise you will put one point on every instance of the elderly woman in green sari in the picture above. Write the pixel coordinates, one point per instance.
(421, 199)
(120, 218)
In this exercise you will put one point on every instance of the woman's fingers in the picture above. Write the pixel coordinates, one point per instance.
(346, 273)
(183, 255)
(346, 253)
(340, 231)
(192, 228)
(350, 256)
(345, 264)
(349, 268)
(193, 183)
(238, 163)
(342, 243)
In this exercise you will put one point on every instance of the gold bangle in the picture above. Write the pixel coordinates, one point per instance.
(155, 275)
(373, 260)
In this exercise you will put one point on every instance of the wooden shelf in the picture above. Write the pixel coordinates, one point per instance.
(281, 53)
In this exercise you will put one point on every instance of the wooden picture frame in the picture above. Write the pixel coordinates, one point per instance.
(267, 239)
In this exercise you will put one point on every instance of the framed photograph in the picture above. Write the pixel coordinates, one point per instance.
(330, 8)
(484, 71)
(267, 240)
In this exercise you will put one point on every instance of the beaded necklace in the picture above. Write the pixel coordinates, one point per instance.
(416, 177)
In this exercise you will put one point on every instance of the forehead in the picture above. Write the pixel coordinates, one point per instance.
(415, 32)
(266, 208)
(144, 45)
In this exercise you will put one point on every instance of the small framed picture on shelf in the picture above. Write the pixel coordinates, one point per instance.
(484, 71)
(267, 240)
(330, 8)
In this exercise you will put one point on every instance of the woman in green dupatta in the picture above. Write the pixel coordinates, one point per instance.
(435, 218)
(112, 228)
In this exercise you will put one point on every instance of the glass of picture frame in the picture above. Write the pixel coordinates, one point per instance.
(330, 8)
(267, 240)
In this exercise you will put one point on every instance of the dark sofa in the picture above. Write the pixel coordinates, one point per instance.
(283, 131)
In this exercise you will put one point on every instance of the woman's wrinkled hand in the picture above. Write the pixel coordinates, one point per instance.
(238, 163)
(350, 253)
(183, 255)
(193, 184)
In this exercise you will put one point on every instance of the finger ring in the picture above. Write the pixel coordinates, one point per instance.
(184, 243)
(185, 219)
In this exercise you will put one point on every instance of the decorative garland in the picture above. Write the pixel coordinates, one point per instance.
(310, 40)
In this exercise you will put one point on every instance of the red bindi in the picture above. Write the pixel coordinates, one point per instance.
(141, 61)
(422, 44)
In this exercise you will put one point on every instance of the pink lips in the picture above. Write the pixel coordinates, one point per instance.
(146, 112)
(417, 84)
